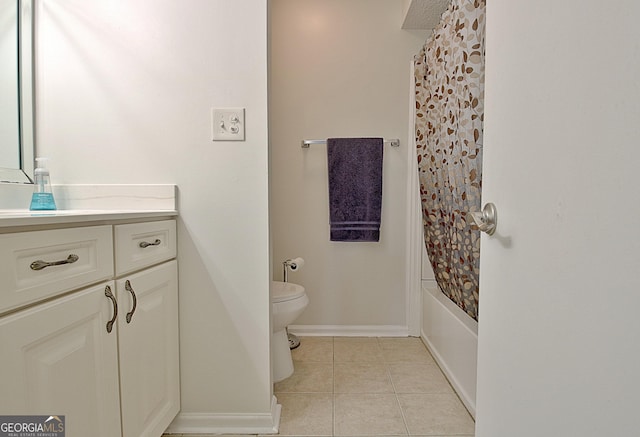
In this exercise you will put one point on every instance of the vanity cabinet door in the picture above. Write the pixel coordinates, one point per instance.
(149, 371)
(59, 359)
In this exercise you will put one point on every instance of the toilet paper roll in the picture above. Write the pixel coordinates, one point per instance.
(296, 263)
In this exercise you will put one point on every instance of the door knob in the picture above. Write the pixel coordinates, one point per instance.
(487, 219)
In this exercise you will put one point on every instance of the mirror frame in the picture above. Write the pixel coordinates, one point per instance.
(26, 87)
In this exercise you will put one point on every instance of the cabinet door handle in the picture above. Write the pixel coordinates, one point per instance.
(40, 264)
(129, 288)
(144, 244)
(109, 294)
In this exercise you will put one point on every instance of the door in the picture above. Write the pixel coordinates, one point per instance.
(59, 359)
(149, 372)
(559, 324)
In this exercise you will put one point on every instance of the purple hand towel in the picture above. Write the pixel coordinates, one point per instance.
(355, 188)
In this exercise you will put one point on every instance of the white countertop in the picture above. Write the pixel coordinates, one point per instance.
(21, 217)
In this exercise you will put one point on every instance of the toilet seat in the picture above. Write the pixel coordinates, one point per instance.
(285, 292)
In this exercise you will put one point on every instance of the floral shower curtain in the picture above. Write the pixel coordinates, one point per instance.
(449, 79)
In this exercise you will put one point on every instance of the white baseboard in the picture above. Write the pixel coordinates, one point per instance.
(211, 423)
(349, 330)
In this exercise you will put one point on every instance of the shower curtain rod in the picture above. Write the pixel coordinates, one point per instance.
(306, 143)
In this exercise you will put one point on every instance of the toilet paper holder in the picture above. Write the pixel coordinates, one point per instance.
(293, 264)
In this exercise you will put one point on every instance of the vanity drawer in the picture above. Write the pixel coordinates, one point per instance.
(139, 245)
(40, 264)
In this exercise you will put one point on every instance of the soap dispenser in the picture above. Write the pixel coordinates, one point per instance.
(42, 198)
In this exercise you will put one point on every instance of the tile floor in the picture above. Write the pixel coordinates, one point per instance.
(347, 386)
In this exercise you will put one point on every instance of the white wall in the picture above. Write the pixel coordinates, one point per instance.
(125, 89)
(339, 68)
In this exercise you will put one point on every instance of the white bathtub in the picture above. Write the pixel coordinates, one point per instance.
(452, 337)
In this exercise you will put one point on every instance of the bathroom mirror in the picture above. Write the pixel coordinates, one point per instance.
(16, 89)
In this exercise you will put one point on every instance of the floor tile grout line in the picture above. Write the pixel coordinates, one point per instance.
(395, 393)
(404, 419)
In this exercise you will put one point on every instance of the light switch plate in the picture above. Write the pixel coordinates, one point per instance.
(227, 124)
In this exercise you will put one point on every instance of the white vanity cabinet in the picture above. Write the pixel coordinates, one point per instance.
(147, 327)
(41, 264)
(108, 363)
(58, 359)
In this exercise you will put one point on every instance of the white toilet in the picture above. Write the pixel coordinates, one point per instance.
(288, 302)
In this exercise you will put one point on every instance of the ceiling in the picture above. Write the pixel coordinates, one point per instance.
(423, 14)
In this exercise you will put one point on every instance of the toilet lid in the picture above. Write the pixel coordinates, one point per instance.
(284, 291)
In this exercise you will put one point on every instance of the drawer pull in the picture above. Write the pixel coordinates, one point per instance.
(109, 294)
(144, 244)
(39, 264)
(129, 288)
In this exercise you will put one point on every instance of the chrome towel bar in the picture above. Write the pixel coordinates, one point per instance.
(306, 143)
